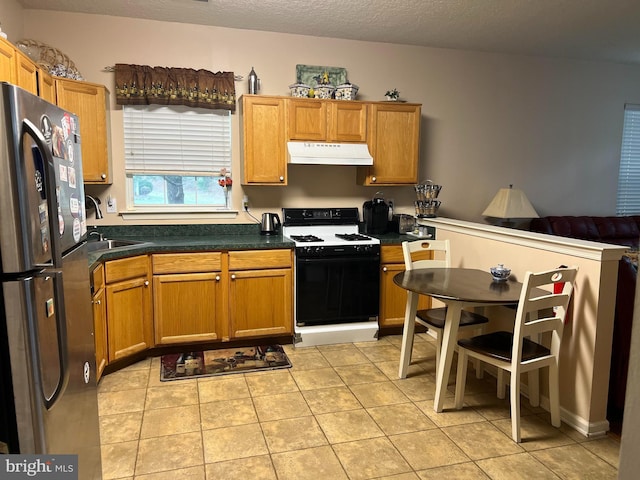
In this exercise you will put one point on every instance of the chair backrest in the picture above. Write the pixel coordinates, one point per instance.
(439, 253)
(539, 312)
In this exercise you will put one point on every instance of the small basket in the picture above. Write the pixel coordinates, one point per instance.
(51, 59)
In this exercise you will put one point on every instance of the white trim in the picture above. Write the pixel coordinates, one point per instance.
(183, 215)
(569, 246)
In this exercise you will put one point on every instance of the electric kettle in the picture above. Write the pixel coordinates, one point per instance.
(270, 224)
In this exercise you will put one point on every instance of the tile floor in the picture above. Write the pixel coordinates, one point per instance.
(339, 413)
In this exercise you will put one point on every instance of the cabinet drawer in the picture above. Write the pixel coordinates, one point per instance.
(97, 278)
(391, 254)
(117, 270)
(187, 262)
(250, 259)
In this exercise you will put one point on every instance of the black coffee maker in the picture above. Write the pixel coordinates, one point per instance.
(375, 214)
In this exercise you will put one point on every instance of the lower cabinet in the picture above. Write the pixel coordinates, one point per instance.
(100, 320)
(183, 298)
(188, 297)
(129, 309)
(393, 299)
(260, 293)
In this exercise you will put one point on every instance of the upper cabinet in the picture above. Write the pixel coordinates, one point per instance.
(394, 144)
(264, 141)
(7, 61)
(46, 86)
(26, 73)
(89, 102)
(327, 121)
(391, 131)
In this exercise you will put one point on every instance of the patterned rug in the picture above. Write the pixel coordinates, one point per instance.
(207, 363)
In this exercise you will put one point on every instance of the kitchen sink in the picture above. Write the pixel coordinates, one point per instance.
(111, 244)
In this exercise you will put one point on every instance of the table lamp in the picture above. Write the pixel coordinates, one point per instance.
(510, 203)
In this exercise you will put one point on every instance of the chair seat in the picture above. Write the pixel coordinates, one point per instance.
(499, 344)
(436, 317)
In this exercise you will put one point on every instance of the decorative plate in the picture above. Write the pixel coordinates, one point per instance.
(310, 74)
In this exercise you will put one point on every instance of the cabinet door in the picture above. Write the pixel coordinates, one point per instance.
(129, 320)
(46, 86)
(100, 331)
(88, 101)
(264, 141)
(347, 122)
(394, 139)
(7, 62)
(26, 73)
(393, 299)
(307, 120)
(260, 302)
(188, 307)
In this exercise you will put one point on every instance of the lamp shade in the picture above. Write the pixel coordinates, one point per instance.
(510, 203)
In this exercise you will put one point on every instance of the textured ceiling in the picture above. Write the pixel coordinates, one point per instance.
(603, 30)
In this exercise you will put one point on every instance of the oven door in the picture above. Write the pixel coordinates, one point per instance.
(340, 289)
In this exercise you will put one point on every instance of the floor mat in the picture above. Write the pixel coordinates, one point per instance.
(179, 366)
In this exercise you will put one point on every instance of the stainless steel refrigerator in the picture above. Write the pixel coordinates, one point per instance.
(48, 397)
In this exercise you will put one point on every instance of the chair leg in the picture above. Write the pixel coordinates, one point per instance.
(534, 387)
(515, 408)
(477, 364)
(461, 377)
(501, 384)
(438, 347)
(554, 395)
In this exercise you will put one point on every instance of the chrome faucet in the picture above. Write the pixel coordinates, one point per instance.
(96, 233)
(96, 205)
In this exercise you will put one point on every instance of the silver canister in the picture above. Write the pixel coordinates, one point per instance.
(254, 82)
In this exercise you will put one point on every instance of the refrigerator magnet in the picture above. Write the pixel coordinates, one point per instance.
(49, 307)
(72, 177)
(77, 230)
(63, 173)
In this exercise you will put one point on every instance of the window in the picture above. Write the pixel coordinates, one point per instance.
(176, 158)
(629, 177)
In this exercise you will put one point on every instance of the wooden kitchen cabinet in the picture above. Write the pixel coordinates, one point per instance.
(188, 297)
(46, 86)
(26, 73)
(263, 140)
(89, 102)
(7, 61)
(393, 299)
(260, 293)
(327, 120)
(99, 320)
(129, 308)
(394, 142)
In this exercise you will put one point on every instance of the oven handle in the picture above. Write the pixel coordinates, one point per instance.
(341, 259)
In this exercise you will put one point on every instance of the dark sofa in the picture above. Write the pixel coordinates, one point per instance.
(617, 231)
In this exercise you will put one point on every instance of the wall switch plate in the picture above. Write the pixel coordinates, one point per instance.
(111, 205)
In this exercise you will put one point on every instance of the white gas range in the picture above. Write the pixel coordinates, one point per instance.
(337, 276)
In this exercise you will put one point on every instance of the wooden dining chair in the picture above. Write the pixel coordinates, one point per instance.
(515, 352)
(437, 254)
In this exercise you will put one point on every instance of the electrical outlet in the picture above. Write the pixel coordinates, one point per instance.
(111, 205)
(245, 202)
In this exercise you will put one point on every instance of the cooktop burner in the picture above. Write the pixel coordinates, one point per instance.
(352, 237)
(306, 238)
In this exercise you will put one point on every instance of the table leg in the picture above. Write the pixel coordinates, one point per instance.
(449, 339)
(407, 333)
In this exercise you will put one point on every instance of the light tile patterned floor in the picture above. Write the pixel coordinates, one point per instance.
(339, 413)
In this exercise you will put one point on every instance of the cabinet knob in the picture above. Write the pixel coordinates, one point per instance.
(384, 269)
(217, 278)
(373, 179)
(146, 283)
(97, 302)
(103, 176)
(233, 276)
(281, 178)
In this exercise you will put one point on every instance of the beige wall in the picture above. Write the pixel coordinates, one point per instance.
(11, 17)
(586, 344)
(549, 126)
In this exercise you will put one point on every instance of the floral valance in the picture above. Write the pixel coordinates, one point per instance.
(144, 85)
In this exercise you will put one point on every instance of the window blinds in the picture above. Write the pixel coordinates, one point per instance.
(178, 140)
(628, 202)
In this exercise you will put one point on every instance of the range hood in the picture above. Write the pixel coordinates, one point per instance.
(321, 153)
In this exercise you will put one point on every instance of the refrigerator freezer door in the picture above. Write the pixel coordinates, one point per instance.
(55, 400)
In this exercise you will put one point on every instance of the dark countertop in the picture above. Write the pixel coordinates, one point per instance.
(193, 238)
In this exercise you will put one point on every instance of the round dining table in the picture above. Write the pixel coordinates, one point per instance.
(458, 288)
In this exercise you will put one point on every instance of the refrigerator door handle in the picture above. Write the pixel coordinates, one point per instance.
(34, 132)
